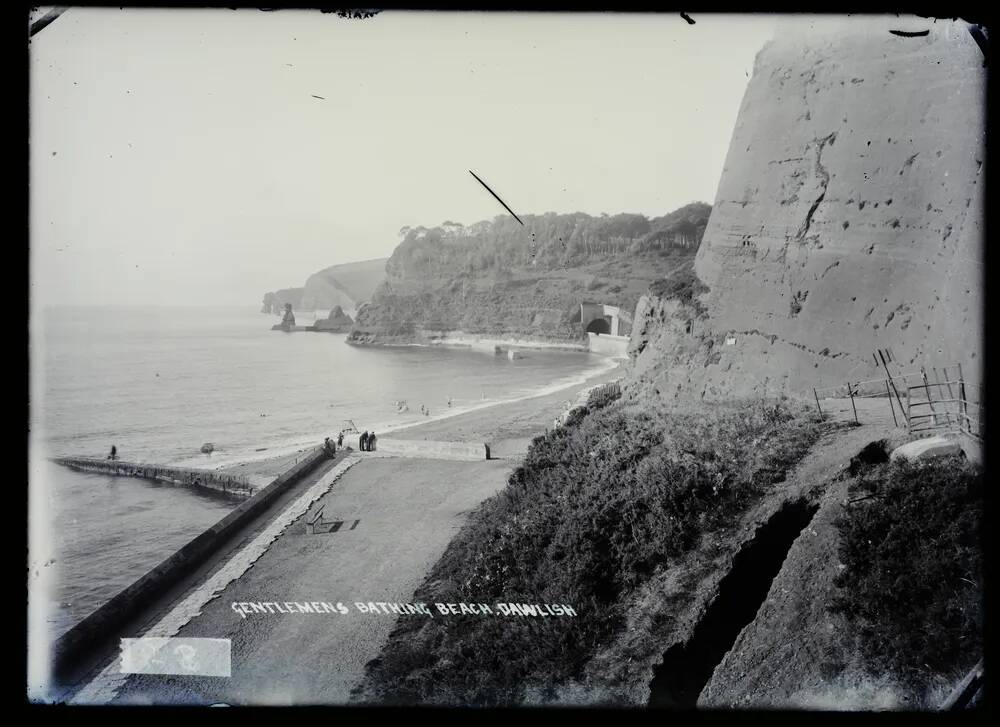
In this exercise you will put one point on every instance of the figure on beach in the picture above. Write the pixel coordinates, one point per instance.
(114, 452)
(340, 439)
(363, 442)
(371, 442)
(449, 401)
(331, 448)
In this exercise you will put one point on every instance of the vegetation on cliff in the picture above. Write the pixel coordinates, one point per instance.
(913, 580)
(599, 507)
(499, 278)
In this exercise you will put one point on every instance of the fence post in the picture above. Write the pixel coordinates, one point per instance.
(908, 405)
(930, 401)
(817, 401)
(898, 400)
(961, 392)
(888, 395)
(851, 392)
(940, 384)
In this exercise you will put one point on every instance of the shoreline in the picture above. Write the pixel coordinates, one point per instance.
(492, 422)
(459, 339)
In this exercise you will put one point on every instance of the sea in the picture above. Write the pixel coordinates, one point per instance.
(158, 383)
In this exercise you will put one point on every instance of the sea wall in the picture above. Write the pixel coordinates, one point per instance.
(105, 624)
(848, 219)
(423, 449)
(608, 345)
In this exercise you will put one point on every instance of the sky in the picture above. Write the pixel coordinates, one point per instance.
(182, 157)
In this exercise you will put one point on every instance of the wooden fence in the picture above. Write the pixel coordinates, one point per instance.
(924, 401)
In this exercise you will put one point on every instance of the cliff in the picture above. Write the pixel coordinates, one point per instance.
(501, 280)
(347, 285)
(274, 302)
(848, 218)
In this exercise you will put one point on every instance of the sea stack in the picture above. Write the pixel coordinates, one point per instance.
(287, 320)
(336, 322)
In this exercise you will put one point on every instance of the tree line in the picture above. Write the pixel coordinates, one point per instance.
(552, 240)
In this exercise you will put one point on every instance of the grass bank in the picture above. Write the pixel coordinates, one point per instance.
(598, 506)
(913, 582)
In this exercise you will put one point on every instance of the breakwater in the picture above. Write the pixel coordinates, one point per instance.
(222, 482)
(106, 624)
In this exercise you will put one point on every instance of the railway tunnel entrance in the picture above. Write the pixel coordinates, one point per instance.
(600, 325)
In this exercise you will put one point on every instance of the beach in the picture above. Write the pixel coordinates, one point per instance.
(398, 515)
(508, 427)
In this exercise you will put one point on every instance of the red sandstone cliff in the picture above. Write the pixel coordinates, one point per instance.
(848, 218)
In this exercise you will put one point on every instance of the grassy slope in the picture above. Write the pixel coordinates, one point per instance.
(906, 603)
(913, 579)
(597, 509)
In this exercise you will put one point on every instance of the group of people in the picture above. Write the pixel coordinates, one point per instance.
(402, 407)
(367, 442)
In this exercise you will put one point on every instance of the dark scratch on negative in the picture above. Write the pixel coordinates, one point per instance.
(909, 34)
(496, 196)
(688, 18)
(319, 97)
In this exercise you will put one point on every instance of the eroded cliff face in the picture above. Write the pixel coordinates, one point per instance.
(848, 218)
(501, 280)
(347, 285)
(274, 302)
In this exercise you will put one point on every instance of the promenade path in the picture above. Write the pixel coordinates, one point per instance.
(408, 511)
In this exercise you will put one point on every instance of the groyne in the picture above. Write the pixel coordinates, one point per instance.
(105, 624)
(222, 482)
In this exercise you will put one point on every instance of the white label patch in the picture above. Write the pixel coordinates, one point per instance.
(177, 655)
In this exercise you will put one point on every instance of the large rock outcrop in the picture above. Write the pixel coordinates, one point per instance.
(848, 218)
(501, 280)
(336, 322)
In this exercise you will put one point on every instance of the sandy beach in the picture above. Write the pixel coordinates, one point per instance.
(507, 427)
